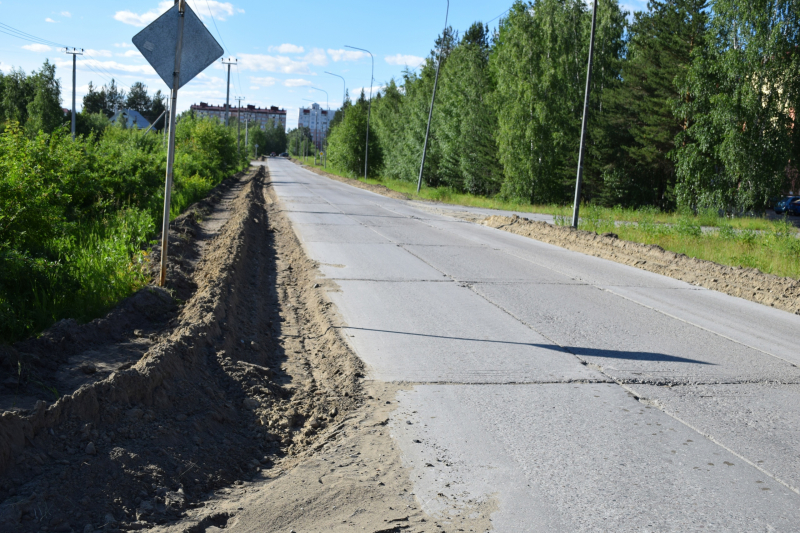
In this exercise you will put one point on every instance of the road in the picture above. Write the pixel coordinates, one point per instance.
(574, 393)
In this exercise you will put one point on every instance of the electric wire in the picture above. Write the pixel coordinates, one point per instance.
(9, 30)
(210, 14)
(498, 16)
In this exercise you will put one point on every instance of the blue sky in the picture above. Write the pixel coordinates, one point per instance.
(284, 48)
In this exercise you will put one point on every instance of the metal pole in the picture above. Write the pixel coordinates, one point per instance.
(576, 206)
(369, 105)
(74, 53)
(433, 98)
(176, 75)
(344, 85)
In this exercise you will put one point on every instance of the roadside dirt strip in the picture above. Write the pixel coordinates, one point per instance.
(748, 283)
(231, 386)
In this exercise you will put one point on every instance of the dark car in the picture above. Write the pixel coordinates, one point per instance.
(794, 208)
(285, 154)
(783, 205)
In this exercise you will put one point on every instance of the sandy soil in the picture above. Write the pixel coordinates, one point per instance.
(227, 400)
(748, 283)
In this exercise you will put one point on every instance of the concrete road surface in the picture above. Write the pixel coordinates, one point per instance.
(575, 393)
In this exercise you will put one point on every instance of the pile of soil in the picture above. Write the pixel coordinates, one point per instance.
(378, 189)
(748, 283)
(176, 392)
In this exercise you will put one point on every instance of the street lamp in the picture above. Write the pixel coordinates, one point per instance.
(344, 85)
(369, 105)
(576, 206)
(433, 97)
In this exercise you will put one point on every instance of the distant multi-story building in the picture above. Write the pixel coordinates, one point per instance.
(250, 113)
(318, 121)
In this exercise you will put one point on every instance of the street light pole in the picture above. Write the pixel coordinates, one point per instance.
(229, 62)
(576, 206)
(74, 53)
(433, 98)
(344, 85)
(369, 104)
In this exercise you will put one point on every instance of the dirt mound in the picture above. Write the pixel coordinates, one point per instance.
(248, 369)
(748, 283)
(378, 189)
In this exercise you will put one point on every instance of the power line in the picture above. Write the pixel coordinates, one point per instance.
(210, 14)
(500, 15)
(9, 30)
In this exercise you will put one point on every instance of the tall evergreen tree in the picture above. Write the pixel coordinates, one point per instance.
(44, 110)
(662, 41)
(138, 99)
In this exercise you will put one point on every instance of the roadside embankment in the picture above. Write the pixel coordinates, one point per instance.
(176, 392)
(748, 283)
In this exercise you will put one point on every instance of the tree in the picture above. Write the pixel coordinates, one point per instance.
(346, 142)
(44, 111)
(738, 107)
(539, 64)
(94, 101)
(468, 121)
(17, 94)
(662, 40)
(138, 99)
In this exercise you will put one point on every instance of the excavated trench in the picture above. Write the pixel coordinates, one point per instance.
(131, 420)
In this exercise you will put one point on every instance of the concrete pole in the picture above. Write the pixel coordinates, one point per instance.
(74, 53)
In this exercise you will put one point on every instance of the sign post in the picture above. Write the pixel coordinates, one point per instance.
(178, 46)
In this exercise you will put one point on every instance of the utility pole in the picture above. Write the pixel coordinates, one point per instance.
(576, 206)
(369, 105)
(229, 62)
(74, 53)
(238, 123)
(433, 98)
(246, 119)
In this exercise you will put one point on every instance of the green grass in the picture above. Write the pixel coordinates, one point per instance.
(771, 246)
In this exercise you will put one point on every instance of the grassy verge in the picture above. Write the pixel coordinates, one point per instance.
(771, 246)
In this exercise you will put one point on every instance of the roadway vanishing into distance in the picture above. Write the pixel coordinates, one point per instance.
(570, 392)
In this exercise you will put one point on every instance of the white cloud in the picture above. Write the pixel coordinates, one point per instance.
(254, 87)
(297, 83)
(270, 63)
(123, 45)
(111, 66)
(264, 81)
(218, 10)
(131, 53)
(134, 19)
(356, 93)
(346, 55)
(405, 60)
(287, 48)
(97, 53)
(317, 57)
(48, 19)
(66, 14)
(37, 47)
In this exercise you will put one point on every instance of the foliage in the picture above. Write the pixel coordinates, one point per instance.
(743, 90)
(347, 142)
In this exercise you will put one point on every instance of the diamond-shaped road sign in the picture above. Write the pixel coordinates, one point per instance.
(158, 43)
